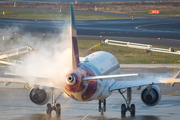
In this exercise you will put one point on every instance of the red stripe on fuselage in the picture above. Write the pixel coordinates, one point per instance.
(79, 86)
(92, 84)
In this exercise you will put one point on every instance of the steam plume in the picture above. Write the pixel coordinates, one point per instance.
(51, 59)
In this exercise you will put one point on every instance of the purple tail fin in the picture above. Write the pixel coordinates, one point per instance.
(75, 51)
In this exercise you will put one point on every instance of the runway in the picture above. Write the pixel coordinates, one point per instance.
(153, 28)
(16, 105)
(145, 31)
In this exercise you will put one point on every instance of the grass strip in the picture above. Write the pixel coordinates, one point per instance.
(127, 55)
(44, 15)
(124, 55)
(166, 8)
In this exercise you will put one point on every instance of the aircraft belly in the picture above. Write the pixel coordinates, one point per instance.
(106, 84)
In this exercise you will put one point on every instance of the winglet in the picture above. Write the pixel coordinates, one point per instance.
(75, 51)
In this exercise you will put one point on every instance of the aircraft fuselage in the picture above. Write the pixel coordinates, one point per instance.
(95, 64)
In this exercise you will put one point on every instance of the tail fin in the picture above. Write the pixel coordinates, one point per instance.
(75, 51)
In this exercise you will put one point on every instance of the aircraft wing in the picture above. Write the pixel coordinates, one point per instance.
(36, 81)
(15, 80)
(135, 83)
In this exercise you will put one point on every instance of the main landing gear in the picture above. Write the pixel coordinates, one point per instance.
(102, 109)
(129, 108)
(57, 108)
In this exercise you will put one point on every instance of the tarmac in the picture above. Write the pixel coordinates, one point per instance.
(16, 105)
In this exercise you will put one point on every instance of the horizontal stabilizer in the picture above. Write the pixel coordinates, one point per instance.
(108, 76)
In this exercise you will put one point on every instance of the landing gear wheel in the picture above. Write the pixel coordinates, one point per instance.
(48, 109)
(99, 109)
(123, 110)
(58, 109)
(99, 105)
(104, 107)
(132, 110)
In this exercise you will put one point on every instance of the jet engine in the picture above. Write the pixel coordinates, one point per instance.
(39, 96)
(151, 95)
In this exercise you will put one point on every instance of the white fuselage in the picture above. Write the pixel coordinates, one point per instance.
(102, 63)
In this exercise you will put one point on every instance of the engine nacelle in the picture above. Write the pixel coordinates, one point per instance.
(152, 96)
(39, 96)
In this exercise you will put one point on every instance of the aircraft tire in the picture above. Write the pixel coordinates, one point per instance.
(48, 109)
(123, 110)
(100, 106)
(58, 109)
(99, 109)
(132, 110)
(104, 108)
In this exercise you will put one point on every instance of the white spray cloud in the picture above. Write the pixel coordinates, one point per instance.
(51, 59)
(7, 32)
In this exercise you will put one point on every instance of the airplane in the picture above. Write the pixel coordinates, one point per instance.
(93, 77)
